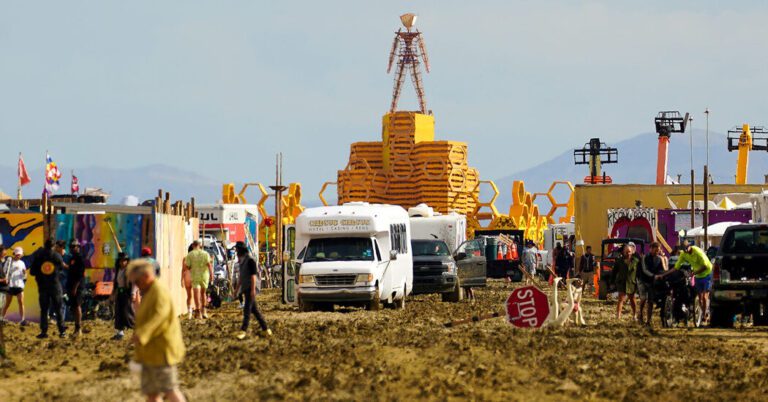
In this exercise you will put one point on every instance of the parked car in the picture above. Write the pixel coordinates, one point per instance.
(435, 270)
(740, 276)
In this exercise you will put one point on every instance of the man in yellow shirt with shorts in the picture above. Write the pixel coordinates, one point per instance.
(198, 262)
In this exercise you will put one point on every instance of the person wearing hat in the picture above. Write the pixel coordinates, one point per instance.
(17, 278)
(124, 295)
(76, 284)
(701, 267)
(146, 253)
(248, 281)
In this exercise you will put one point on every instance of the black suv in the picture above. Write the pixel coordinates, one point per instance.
(435, 270)
(740, 276)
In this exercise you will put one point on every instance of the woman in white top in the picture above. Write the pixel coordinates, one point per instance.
(17, 273)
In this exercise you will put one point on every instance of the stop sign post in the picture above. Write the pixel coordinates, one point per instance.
(527, 307)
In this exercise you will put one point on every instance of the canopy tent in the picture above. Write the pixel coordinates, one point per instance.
(714, 232)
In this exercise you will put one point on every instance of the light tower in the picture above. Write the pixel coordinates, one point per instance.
(409, 47)
(666, 122)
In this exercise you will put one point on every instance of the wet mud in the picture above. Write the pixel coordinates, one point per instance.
(351, 354)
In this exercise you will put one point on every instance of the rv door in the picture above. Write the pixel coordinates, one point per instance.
(290, 267)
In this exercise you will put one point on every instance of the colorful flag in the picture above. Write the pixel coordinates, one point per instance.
(23, 175)
(75, 184)
(52, 175)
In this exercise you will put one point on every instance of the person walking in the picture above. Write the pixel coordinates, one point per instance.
(76, 284)
(16, 276)
(653, 264)
(529, 261)
(124, 295)
(625, 271)
(157, 337)
(563, 261)
(198, 261)
(701, 267)
(587, 266)
(186, 283)
(248, 281)
(46, 267)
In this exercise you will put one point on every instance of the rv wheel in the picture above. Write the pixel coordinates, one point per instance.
(375, 304)
(305, 306)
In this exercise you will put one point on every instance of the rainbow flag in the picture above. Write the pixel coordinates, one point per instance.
(52, 175)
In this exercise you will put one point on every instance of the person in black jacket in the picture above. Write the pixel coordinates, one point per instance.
(46, 267)
(76, 283)
(247, 286)
(654, 264)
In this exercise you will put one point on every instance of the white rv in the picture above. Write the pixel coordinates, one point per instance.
(356, 253)
(427, 224)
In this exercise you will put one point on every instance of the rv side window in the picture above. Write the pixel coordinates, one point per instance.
(376, 249)
(398, 238)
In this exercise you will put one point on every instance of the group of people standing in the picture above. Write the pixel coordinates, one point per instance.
(57, 274)
(634, 274)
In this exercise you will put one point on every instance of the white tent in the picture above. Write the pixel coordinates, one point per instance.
(714, 232)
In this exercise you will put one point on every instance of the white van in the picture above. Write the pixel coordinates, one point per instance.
(356, 253)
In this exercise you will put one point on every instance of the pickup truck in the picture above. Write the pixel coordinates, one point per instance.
(434, 270)
(740, 276)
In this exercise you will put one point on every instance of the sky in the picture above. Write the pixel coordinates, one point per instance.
(218, 87)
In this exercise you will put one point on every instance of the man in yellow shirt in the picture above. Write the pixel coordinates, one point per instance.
(157, 336)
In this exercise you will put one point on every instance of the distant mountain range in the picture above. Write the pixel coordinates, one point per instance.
(142, 182)
(637, 164)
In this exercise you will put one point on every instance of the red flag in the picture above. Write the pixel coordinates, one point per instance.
(75, 184)
(23, 175)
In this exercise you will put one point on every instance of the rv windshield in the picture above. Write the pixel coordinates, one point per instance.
(339, 249)
(429, 248)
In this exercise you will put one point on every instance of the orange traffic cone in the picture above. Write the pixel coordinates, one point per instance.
(512, 252)
(499, 253)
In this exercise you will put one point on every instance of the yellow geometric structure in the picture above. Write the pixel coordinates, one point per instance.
(523, 213)
(291, 205)
(568, 205)
(408, 167)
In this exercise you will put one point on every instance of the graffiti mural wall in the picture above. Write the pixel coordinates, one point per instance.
(97, 233)
(24, 230)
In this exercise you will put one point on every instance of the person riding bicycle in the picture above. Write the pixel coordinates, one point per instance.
(701, 268)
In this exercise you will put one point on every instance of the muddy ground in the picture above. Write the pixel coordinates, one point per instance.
(399, 355)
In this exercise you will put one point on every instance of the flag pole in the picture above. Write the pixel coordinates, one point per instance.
(18, 177)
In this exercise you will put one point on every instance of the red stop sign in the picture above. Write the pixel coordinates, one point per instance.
(527, 307)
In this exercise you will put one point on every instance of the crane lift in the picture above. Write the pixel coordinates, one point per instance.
(746, 139)
(667, 122)
(595, 154)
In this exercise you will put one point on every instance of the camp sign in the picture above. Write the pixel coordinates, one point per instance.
(527, 307)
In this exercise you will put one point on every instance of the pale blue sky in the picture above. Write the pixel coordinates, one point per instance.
(220, 86)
